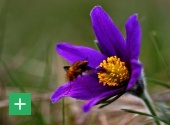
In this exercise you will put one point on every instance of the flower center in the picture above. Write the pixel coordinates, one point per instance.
(114, 72)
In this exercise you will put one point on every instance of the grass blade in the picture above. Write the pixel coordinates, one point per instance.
(163, 109)
(63, 112)
(39, 117)
(155, 40)
(158, 82)
(12, 78)
(145, 114)
(47, 70)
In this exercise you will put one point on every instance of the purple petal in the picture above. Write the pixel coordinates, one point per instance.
(74, 53)
(109, 38)
(133, 33)
(86, 107)
(84, 88)
(136, 69)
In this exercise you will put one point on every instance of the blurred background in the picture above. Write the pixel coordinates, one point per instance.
(29, 31)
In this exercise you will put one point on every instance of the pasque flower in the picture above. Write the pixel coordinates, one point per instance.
(117, 67)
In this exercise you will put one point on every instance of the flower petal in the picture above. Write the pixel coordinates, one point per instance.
(109, 38)
(86, 107)
(136, 69)
(133, 39)
(84, 88)
(74, 53)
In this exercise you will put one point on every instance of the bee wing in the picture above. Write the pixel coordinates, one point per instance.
(90, 68)
(89, 71)
(66, 68)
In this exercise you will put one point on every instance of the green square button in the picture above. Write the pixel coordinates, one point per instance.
(20, 104)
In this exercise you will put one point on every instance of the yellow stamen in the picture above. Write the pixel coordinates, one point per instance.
(115, 72)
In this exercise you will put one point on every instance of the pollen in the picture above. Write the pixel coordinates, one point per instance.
(115, 72)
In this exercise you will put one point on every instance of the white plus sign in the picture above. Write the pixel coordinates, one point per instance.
(19, 103)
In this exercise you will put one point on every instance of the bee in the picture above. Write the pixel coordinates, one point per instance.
(76, 69)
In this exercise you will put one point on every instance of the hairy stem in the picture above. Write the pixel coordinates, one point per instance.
(148, 102)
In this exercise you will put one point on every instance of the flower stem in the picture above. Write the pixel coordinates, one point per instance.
(145, 97)
(63, 112)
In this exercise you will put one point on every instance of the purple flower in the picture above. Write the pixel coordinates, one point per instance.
(117, 65)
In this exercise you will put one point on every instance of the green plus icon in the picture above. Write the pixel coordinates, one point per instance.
(20, 104)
